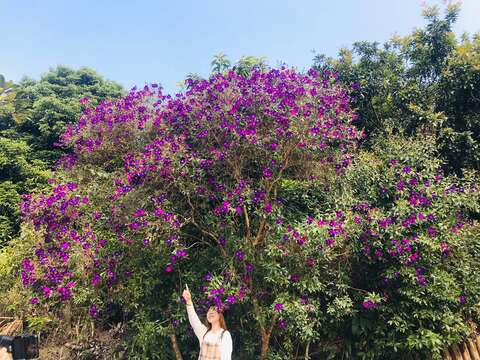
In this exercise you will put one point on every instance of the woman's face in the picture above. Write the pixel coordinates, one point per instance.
(212, 315)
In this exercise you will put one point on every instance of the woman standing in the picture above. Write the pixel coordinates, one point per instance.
(215, 340)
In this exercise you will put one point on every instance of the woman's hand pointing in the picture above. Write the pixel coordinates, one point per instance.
(187, 296)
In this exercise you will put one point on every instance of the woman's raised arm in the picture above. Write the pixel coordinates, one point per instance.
(195, 322)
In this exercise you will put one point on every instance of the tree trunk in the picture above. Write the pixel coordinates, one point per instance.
(307, 351)
(176, 349)
(265, 331)
(265, 343)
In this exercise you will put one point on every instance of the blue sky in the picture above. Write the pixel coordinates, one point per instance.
(134, 42)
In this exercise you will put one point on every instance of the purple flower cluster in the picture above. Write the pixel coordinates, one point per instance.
(369, 304)
(407, 237)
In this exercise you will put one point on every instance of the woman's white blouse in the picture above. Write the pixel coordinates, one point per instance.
(200, 330)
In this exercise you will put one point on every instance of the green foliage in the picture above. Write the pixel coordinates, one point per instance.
(248, 63)
(149, 339)
(220, 63)
(10, 215)
(459, 85)
(13, 297)
(38, 324)
(425, 82)
(20, 173)
(244, 66)
(7, 105)
(47, 105)
(410, 317)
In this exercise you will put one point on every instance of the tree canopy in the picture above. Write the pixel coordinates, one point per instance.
(427, 82)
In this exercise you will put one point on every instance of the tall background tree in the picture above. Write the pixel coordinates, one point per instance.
(425, 82)
(33, 114)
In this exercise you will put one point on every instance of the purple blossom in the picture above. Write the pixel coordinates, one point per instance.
(369, 304)
(64, 292)
(267, 173)
(301, 241)
(139, 213)
(181, 253)
(93, 311)
(413, 181)
(413, 257)
(28, 266)
(267, 208)
(421, 280)
(47, 291)
(400, 185)
(295, 278)
(239, 255)
(445, 249)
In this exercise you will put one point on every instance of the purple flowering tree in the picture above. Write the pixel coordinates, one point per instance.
(161, 179)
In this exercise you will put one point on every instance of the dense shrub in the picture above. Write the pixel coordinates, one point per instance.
(414, 239)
